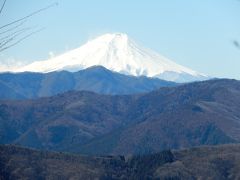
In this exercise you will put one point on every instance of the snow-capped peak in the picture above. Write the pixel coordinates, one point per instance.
(116, 52)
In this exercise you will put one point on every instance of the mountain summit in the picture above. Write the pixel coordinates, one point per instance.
(116, 52)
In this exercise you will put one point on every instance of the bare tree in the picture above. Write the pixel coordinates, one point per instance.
(15, 31)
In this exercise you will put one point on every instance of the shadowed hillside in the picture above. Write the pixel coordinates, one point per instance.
(97, 79)
(201, 113)
(213, 162)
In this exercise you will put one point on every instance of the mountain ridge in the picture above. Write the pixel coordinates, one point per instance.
(97, 79)
(116, 52)
(194, 114)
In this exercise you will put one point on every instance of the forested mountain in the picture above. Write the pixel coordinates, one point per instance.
(208, 162)
(200, 113)
(96, 79)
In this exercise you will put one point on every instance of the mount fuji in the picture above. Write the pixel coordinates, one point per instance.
(116, 52)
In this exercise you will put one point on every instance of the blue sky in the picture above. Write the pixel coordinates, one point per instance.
(196, 34)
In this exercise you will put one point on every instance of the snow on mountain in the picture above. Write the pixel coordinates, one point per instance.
(117, 52)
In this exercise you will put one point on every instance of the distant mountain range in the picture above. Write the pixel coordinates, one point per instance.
(200, 113)
(97, 79)
(208, 162)
(119, 53)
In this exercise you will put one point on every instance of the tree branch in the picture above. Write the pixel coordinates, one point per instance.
(30, 15)
(2, 6)
(13, 28)
(20, 40)
(15, 33)
(18, 32)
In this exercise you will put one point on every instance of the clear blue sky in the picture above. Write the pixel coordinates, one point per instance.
(196, 34)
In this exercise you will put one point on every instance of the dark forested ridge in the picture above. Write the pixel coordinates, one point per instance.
(207, 162)
(98, 79)
(200, 113)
